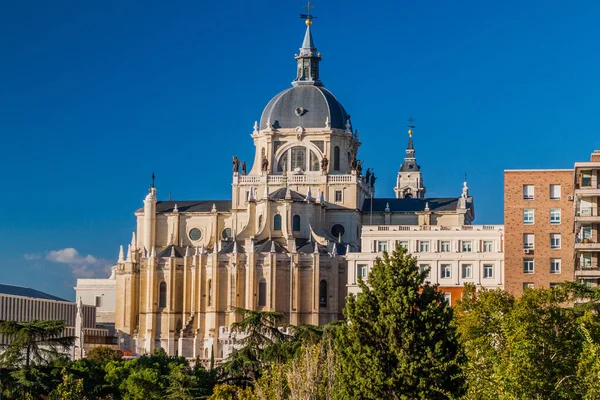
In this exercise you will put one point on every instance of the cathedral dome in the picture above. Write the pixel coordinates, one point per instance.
(308, 106)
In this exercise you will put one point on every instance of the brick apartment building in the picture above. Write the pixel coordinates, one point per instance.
(538, 221)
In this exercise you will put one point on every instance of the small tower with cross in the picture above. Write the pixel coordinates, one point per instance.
(409, 183)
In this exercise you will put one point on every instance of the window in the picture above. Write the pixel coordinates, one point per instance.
(425, 268)
(226, 234)
(403, 244)
(277, 222)
(528, 265)
(323, 293)
(467, 271)
(195, 234)
(162, 295)
(98, 301)
(283, 162)
(467, 246)
(262, 293)
(209, 292)
(424, 246)
(314, 162)
(555, 265)
(336, 158)
(554, 192)
(586, 260)
(445, 246)
(298, 158)
(528, 216)
(382, 246)
(586, 233)
(527, 285)
(296, 223)
(488, 246)
(555, 216)
(528, 192)
(361, 270)
(555, 240)
(338, 196)
(528, 241)
(448, 297)
(488, 271)
(586, 179)
(445, 271)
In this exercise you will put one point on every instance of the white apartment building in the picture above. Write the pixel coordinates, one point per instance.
(454, 255)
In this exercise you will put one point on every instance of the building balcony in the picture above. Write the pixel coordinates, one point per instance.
(591, 271)
(587, 214)
(587, 245)
(585, 191)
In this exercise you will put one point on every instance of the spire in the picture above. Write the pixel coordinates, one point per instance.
(409, 182)
(121, 255)
(308, 59)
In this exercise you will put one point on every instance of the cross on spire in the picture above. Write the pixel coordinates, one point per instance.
(308, 16)
(153, 177)
(410, 122)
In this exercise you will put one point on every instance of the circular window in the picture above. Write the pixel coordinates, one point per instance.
(337, 230)
(226, 233)
(195, 234)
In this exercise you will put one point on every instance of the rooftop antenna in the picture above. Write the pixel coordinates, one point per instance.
(308, 16)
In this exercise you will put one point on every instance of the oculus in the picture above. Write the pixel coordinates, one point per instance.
(337, 230)
(195, 234)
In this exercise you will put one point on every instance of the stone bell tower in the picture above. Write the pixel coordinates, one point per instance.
(409, 183)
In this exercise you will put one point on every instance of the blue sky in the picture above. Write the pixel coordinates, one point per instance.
(97, 95)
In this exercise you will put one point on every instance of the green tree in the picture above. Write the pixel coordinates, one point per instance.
(71, 388)
(525, 348)
(33, 342)
(102, 355)
(398, 342)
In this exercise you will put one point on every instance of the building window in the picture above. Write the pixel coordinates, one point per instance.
(528, 265)
(162, 295)
(528, 216)
(98, 301)
(315, 165)
(586, 179)
(298, 158)
(488, 246)
(339, 196)
(488, 271)
(445, 271)
(195, 234)
(445, 246)
(424, 246)
(555, 240)
(262, 292)
(425, 268)
(403, 244)
(277, 222)
(296, 223)
(527, 285)
(323, 293)
(586, 233)
(467, 271)
(448, 297)
(336, 158)
(553, 285)
(382, 246)
(467, 246)
(528, 241)
(586, 260)
(555, 216)
(209, 292)
(528, 192)
(361, 270)
(554, 192)
(555, 265)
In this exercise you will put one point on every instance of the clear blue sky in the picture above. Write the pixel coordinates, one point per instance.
(97, 95)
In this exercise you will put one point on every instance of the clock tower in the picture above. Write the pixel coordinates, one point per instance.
(409, 183)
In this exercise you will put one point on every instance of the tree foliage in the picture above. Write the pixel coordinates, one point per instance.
(398, 342)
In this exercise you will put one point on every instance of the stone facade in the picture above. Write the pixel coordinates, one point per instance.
(538, 218)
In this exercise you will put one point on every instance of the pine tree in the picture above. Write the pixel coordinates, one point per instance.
(398, 342)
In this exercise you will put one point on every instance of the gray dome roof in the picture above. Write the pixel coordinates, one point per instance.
(307, 106)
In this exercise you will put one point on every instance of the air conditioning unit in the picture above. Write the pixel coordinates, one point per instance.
(570, 198)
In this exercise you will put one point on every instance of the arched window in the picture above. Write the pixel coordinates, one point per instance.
(283, 162)
(323, 293)
(162, 295)
(298, 155)
(277, 222)
(262, 293)
(336, 158)
(296, 223)
(314, 162)
(209, 292)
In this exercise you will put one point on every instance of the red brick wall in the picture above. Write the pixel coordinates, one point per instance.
(514, 204)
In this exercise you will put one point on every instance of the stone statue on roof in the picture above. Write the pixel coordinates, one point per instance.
(265, 164)
(236, 164)
(243, 167)
(324, 164)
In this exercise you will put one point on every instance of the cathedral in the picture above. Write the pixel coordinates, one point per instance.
(280, 244)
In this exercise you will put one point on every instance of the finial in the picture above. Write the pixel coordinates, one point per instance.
(387, 207)
(235, 249)
(153, 252)
(255, 126)
(426, 206)
(316, 248)
(188, 252)
(410, 125)
(272, 246)
(128, 253)
(133, 240)
(214, 208)
(288, 193)
(308, 16)
(308, 194)
(121, 254)
(172, 251)
(348, 126)
(153, 177)
(175, 209)
(334, 251)
(347, 249)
